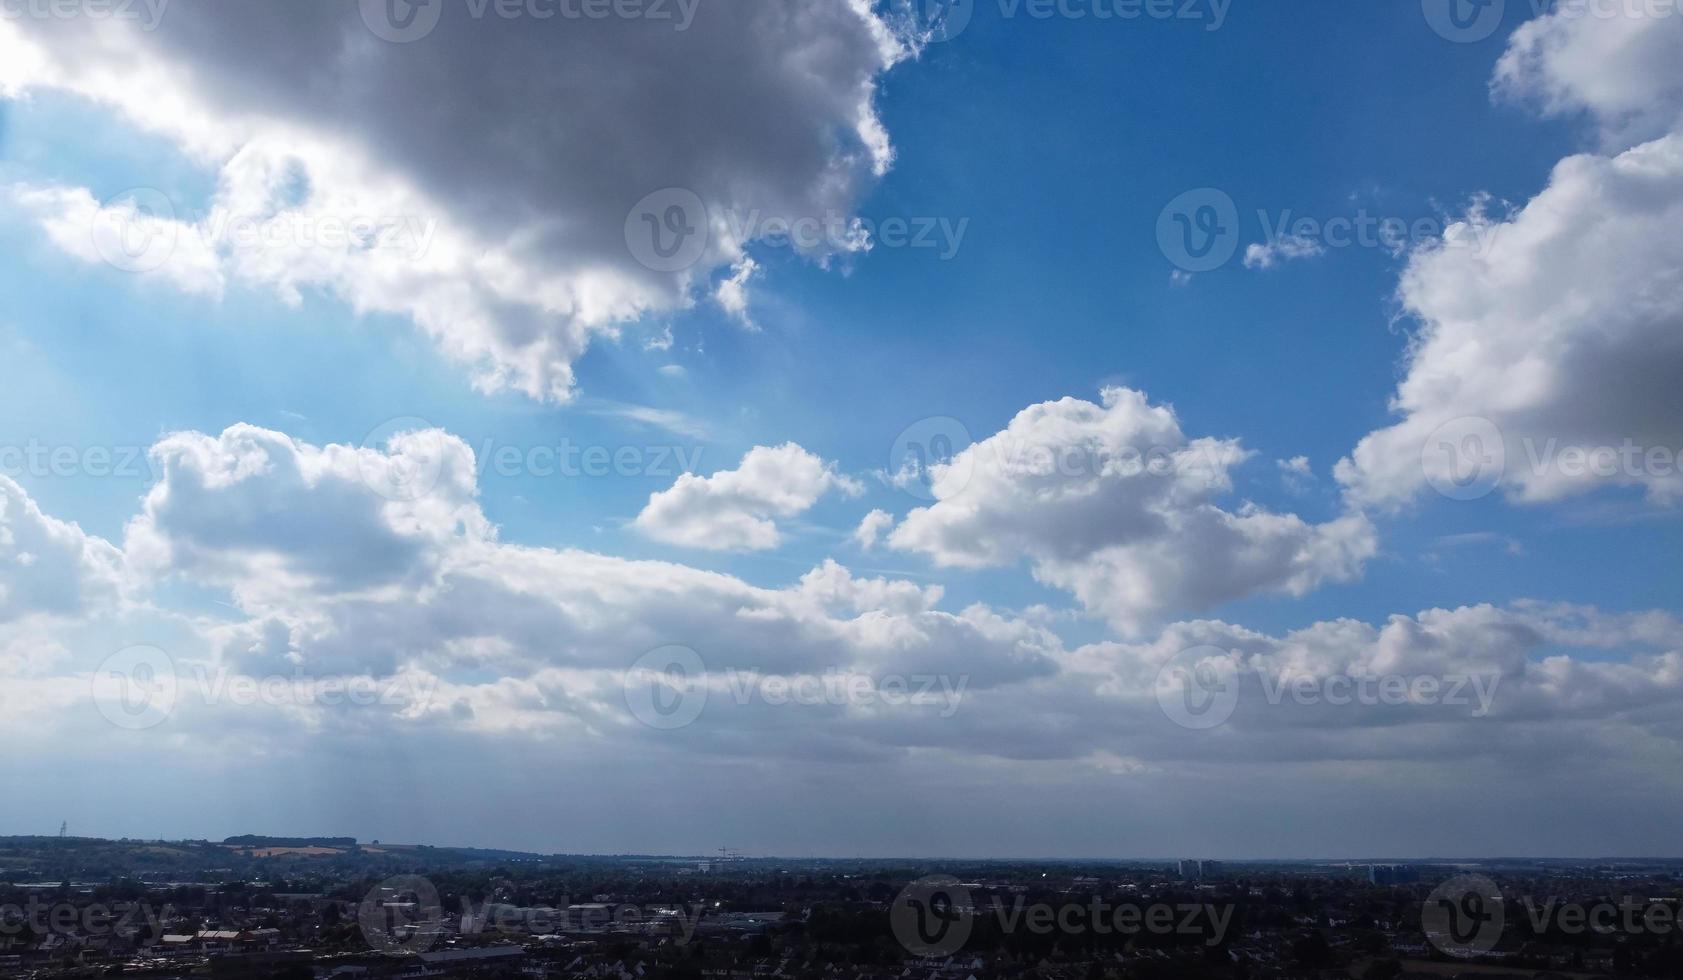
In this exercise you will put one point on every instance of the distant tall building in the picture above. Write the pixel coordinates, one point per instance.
(1392, 874)
(1198, 870)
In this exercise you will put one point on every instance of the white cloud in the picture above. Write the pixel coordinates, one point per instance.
(1547, 360)
(524, 652)
(735, 509)
(675, 422)
(732, 292)
(1265, 255)
(1114, 503)
(1295, 473)
(338, 574)
(125, 234)
(272, 519)
(659, 342)
(1622, 69)
(497, 167)
(49, 567)
(1516, 698)
(871, 528)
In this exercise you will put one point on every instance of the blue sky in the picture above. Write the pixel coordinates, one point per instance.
(1055, 145)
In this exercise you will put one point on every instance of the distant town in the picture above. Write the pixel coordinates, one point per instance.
(275, 908)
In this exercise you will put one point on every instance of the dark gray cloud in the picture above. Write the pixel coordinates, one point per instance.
(507, 151)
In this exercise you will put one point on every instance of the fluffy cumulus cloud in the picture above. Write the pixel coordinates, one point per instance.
(274, 519)
(735, 509)
(1616, 62)
(49, 567)
(372, 560)
(1113, 502)
(469, 170)
(871, 528)
(1547, 361)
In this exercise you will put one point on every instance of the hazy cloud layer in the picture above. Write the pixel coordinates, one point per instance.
(351, 566)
